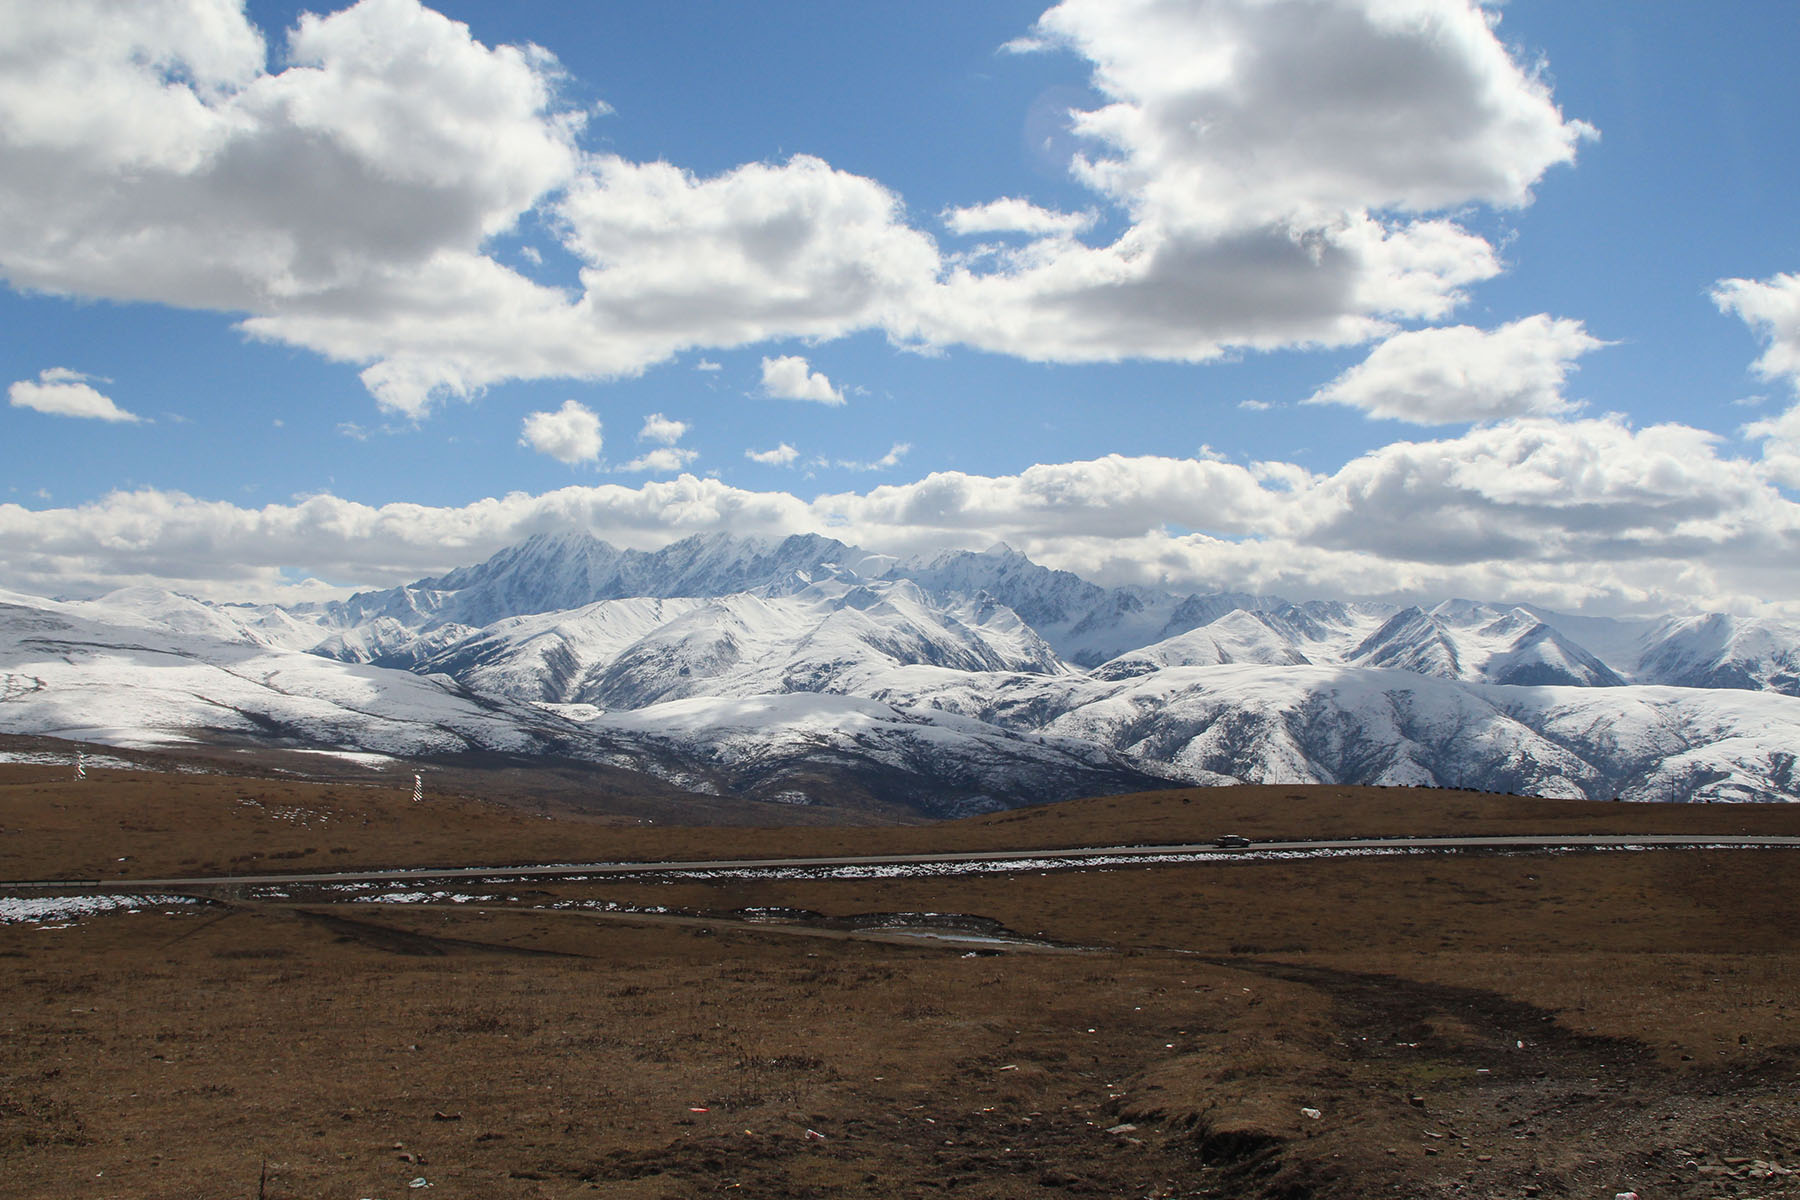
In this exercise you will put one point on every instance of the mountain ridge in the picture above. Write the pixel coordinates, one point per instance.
(922, 683)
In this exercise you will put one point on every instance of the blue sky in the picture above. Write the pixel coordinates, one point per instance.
(1402, 300)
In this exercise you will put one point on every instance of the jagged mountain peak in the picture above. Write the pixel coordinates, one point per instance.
(1540, 656)
(558, 550)
(550, 572)
(1411, 640)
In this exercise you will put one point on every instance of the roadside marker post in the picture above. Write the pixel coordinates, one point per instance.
(80, 765)
(418, 789)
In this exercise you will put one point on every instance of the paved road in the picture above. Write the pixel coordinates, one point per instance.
(1075, 857)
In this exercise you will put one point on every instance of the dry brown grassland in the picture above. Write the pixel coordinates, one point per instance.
(1568, 1024)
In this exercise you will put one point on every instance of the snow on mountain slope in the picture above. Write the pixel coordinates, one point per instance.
(799, 746)
(154, 608)
(1669, 743)
(923, 662)
(1542, 657)
(1463, 640)
(549, 573)
(1326, 631)
(1411, 640)
(1717, 650)
(388, 642)
(826, 638)
(1298, 725)
(557, 572)
(1517, 645)
(877, 689)
(67, 676)
(1236, 637)
(547, 656)
(1085, 623)
(1457, 640)
(1314, 724)
(64, 675)
(719, 647)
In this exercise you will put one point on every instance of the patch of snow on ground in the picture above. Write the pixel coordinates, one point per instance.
(63, 910)
(421, 898)
(38, 758)
(358, 757)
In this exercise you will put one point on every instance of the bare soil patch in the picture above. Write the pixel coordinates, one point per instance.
(1454, 1025)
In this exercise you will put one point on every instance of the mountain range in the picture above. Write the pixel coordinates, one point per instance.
(811, 672)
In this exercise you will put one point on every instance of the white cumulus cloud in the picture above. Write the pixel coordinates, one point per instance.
(1460, 373)
(1225, 114)
(891, 459)
(1010, 214)
(571, 434)
(146, 154)
(1289, 171)
(658, 428)
(667, 457)
(781, 456)
(791, 377)
(663, 460)
(1771, 308)
(66, 393)
(1589, 514)
(1285, 165)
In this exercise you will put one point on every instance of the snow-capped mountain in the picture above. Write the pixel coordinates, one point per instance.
(65, 674)
(810, 671)
(558, 572)
(1086, 623)
(1239, 636)
(1717, 650)
(1462, 640)
(803, 747)
(1370, 726)
(68, 675)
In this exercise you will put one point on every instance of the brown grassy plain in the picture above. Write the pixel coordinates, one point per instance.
(1462, 1025)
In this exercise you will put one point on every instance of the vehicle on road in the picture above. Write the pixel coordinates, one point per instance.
(1231, 841)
